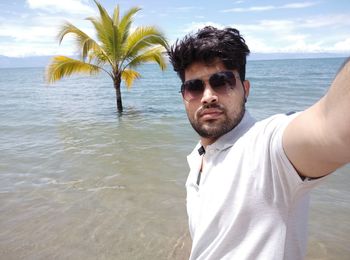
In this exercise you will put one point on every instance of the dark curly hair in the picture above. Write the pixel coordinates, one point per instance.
(207, 45)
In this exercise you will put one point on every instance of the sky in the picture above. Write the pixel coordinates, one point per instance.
(29, 27)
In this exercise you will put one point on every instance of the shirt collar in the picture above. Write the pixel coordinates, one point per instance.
(224, 141)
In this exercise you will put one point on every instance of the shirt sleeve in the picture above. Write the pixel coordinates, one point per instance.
(283, 171)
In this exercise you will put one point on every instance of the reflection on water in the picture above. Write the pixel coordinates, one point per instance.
(95, 190)
(79, 181)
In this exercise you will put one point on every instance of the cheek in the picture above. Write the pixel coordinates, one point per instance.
(191, 110)
(188, 111)
(234, 104)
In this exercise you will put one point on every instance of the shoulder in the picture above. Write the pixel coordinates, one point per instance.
(275, 121)
(272, 126)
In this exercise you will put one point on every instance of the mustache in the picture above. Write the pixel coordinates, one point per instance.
(209, 106)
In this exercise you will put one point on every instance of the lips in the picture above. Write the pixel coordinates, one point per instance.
(210, 113)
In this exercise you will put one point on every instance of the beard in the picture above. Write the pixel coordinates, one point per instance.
(213, 129)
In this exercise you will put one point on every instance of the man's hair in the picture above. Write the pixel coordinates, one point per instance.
(208, 45)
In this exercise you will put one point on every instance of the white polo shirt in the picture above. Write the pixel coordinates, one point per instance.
(250, 203)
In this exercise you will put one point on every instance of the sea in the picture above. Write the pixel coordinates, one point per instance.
(80, 181)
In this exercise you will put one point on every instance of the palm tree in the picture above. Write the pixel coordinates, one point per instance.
(117, 50)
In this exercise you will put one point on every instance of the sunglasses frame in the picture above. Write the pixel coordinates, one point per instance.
(230, 76)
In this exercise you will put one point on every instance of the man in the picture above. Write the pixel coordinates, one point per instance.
(248, 186)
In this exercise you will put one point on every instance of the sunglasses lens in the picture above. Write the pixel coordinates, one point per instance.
(192, 89)
(221, 81)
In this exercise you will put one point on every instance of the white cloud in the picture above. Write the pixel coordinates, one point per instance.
(32, 40)
(277, 25)
(294, 35)
(297, 35)
(302, 46)
(35, 33)
(38, 37)
(298, 5)
(67, 6)
(257, 44)
(193, 27)
(342, 46)
(337, 20)
(270, 7)
(23, 49)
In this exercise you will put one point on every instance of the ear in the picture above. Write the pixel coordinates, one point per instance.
(246, 87)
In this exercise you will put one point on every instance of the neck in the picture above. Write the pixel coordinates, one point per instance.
(207, 141)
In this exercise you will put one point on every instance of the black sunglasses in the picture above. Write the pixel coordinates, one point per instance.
(221, 82)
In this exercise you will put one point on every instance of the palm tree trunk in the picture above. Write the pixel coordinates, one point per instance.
(118, 94)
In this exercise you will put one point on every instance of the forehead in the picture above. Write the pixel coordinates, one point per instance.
(201, 70)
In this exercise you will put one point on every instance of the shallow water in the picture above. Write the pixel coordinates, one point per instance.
(79, 181)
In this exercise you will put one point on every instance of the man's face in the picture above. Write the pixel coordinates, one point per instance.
(213, 114)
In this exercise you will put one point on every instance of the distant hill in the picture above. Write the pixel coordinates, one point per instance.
(284, 56)
(24, 62)
(42, 61)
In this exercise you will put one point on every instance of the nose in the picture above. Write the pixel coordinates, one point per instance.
(209, 96)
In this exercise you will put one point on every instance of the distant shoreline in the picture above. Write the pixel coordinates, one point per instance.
(41, 61)
(295, 56)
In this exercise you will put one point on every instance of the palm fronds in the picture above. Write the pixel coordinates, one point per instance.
(144, 37)
(62, 66)
(129, 76)
(150, 55)
(83, 41)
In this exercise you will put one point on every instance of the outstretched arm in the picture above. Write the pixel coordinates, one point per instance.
(317, 141)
